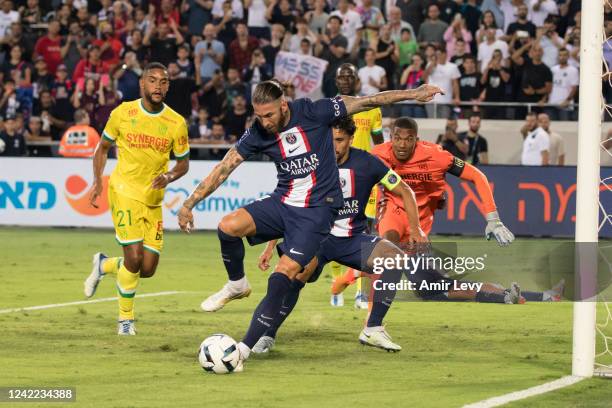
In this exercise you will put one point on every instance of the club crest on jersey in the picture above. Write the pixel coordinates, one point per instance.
(342, 182)
(291, 138)
(293, 142)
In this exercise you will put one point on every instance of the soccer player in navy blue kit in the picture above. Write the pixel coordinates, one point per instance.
(297, 137)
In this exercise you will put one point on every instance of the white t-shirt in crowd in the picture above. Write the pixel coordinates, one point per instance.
(485, 52)
(442, 77)
(547, 7)
(257, 14)
(563, 80)
(536, 142)
(375, 72)
(237, 9)
(6, 19)
(351, 22)
(557, 147)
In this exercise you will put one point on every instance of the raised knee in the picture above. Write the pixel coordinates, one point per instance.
(133, 260)
(229, 226)
(147, 272)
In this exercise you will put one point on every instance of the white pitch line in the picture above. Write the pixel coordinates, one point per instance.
(84, 302)
(529, 392)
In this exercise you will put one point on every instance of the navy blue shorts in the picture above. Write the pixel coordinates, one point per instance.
(352, 252)
(302, 229)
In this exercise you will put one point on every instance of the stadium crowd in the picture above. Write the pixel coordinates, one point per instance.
(62, 56)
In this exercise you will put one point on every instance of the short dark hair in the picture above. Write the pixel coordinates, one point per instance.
(405, 122)
(475, 115)
(346, 124)
(469, 57)
(335, 18)
(267, 91)
(154, 65)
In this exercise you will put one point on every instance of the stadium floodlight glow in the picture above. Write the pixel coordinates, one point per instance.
(587, 186)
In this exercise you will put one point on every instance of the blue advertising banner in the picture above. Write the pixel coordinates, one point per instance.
(536, 201)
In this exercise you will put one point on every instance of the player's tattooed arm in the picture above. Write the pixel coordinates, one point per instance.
(207, 186)
(99, 162)
(356, 104)
(404, 191)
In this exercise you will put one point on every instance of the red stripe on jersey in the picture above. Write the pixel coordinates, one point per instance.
(306, 143)
(280, 146)
(353, 183)
(288, 193)
(314, 183)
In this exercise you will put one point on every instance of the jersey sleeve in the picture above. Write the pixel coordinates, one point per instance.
(180, 145)
(376, 122)
(448, 163)
(247, 145)
(325, 111)
(111, 130)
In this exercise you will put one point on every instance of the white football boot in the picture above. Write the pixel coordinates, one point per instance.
(232, 290)
(91, 283)
(263, 345)
(126, 328)
(360, 302)
(337, 300)
(378, 337)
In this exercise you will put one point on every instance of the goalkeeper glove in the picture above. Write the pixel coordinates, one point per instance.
(497, 229)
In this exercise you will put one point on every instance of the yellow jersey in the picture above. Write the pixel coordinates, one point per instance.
(368, 123)
(144, 141)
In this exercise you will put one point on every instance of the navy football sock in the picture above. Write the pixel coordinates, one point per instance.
(533, 296)
(269, 308)
(289, 303)
(490, 297)
(232, 252)
(383, 298)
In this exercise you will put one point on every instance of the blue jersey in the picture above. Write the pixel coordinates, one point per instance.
(303, 153)
(358, 175)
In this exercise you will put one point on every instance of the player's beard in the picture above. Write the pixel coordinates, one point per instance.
(151, 101)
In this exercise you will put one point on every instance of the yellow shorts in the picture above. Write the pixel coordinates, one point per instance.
(136, 222)
(370, 210)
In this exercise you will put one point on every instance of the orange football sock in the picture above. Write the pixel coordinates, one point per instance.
(342, 282)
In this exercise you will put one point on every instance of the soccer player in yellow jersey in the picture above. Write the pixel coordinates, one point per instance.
(145, 131)
(369, 133)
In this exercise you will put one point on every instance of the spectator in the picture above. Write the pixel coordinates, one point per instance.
(306, 47)
(472, 14)
(181, 91)
(572, 43)
(494, 79)
(522, 24)
(46, 109)
(385, 55)
(241, 48)
(199, 130)
(109, 99)
(540, 9)
(406, 48)
(106, 10)
(163, 45)
(279, 12)
(457, 31)
(31, 13)
(317, 18)
(49, 47)
(84, 20)
(432, 30)
(91, 67)
(450, 141)
(80, 139)
(373, 77)
(167, 13)
(565, 79)
(73, 46)
(12, 140)
(351, 26)
(332, 47)
(135, 45)
(488, 22)
(218, 137)
(199, 13)
(213, 97)
(495, 7)
(536, 81)
(234, 85)
(397, 25)
(236, 119)
(226, 24)
(235, 6)
(412, 11)
(462, 50)
(412, 78)
(35, 133)
(445, 75)
(556, 151)
(185, 65)
(258, 70)
(276, 43)
(10, 103)
(88, 99)
(257, 22)
(143, 21)
(448, 10)
(8, 16)
(550, 42)
(210, 52)
(63, 16)
(303, 32)
(61, 91)
(17, 69)
(536, 143)
(128, 76)
(487, 47)
(478, 148)
(42, 80)
(371, 20)
(469, 85)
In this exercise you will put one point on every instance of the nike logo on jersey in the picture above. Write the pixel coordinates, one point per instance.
(293, 150)
(293, 251)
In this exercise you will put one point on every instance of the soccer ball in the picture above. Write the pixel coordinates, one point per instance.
(219, 354)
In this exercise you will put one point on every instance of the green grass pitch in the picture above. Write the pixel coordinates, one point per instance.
(453, 353)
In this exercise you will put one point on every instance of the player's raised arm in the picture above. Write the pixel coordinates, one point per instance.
(207, 186)
(356, 104)
(495, 227)
(99, 162)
